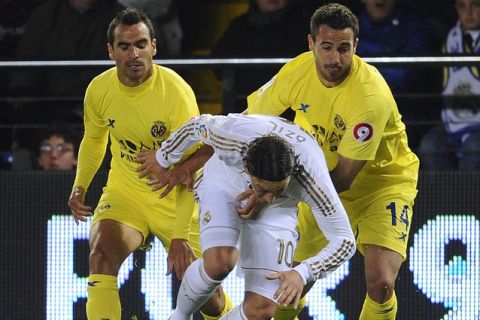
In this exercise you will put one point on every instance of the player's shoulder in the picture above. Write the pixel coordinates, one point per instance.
(170, 80)
(103, 81)
(367, 81)
(167, 74)
(365, 72)
(303, 61)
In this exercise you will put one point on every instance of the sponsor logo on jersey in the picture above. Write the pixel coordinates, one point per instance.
(129, 149)
(206, 219)
(303, 107)
(111, 123)
(158, 129)
(363, 132)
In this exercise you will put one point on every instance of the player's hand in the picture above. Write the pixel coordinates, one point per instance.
(75, 202)
(252, 208)
(180, 256)
(290, 291)
(171, 178)
(148, 164)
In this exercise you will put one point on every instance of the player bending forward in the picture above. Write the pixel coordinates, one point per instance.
(261, 168)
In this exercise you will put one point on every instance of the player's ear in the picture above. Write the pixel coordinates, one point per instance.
(110, 52)
(310, 42)
(154, 46)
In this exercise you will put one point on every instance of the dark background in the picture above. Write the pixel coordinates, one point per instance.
(28, 199)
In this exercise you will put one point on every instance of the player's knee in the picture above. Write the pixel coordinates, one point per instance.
(261, 309)
(381, 288)
(104, 262)
(220, 261)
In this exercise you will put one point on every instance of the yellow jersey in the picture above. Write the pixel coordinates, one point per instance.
(136, 119)
(357, 119)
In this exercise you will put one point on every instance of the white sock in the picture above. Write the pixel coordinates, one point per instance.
(196, 288)
(236, 313)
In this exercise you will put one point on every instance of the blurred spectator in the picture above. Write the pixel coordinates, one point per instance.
(63, 30)
(391, 28)
(456, 144)
(311, 5)
(13, 16)
(58, 30)
(438, 13)
(57, 148)
(268, 29)
(164, 16)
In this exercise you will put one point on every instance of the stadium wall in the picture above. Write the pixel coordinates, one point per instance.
(43, 257)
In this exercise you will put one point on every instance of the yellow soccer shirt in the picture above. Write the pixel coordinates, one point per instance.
(137, 119)
(357, 119)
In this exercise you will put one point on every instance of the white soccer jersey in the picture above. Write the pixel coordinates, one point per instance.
(310, 182)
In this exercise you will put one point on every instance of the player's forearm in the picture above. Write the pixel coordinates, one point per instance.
(327, 260)
(90, 157)
(198, 158)
(345, 173)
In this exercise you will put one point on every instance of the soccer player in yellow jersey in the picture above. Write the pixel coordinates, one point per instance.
(138, 104)
(351, 111)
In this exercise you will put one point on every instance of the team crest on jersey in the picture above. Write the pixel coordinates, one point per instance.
(202, 129)
(339, 123)
(362, 132)
(206, 218)
(158, 129)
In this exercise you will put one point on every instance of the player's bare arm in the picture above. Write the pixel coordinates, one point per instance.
(79, 210)
(345, 172)
(290, 291)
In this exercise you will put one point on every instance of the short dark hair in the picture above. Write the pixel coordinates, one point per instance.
(59, 129)
(129, 16)
(270, 158)
(336, 16)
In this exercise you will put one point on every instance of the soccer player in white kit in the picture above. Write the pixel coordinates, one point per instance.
(275, 164)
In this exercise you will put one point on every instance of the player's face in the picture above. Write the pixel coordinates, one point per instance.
(56, 154)
(333, 51)
(468, 13)
(379, 10)
(133, 52)
(266, 191)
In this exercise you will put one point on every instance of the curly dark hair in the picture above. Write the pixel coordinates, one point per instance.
(270, 158)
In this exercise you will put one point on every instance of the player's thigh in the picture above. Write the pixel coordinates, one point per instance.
(115, 205)
(384, 219)
(215, 191)
(111, 242)
(311, 239)
(219, 223)
(162, 222)
(265, 250)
